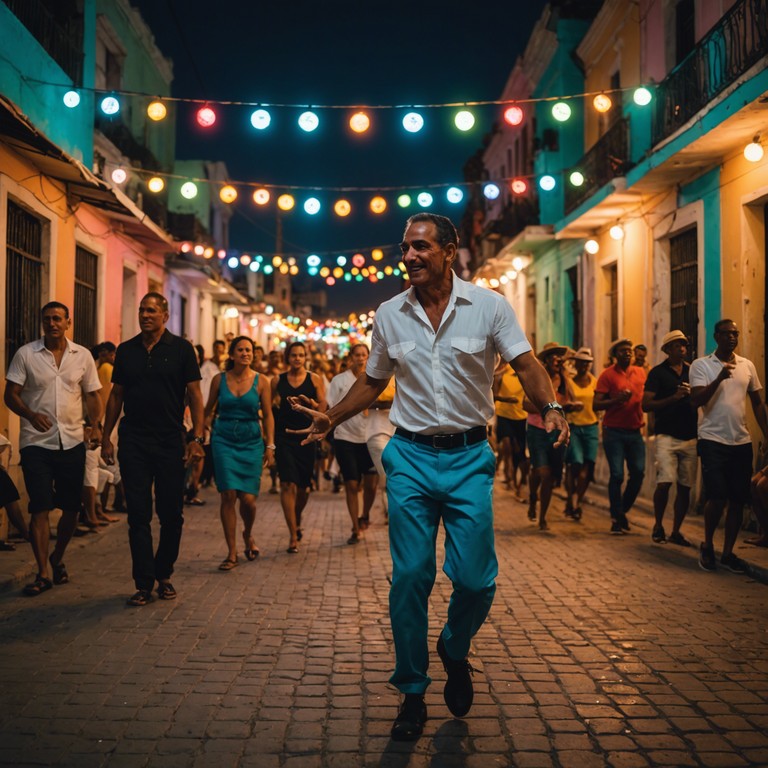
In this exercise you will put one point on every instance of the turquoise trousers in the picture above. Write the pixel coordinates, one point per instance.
(425, 485)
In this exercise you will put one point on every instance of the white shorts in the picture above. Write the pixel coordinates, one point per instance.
(676, 460)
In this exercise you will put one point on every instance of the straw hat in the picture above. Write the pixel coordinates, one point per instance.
(551, 348)
(618, 342)
(673, 336)
(585, 354)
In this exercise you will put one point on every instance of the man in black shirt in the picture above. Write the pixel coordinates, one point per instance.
(153, 373)
(667, 395)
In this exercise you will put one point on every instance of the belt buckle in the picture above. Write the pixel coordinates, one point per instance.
(442, 441)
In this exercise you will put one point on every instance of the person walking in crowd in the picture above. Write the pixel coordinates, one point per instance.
(619, 392)
(219, 357)
(760, 500)
(581, 454)
(668, 396)
(153, 373)
(721, 383)
(546, 450)
(209, 370)
(9, 497)
(295, 462)
(49, 383)
(511, 420)
(440, 339)
(350, 447)
(378, 431)
(640, 358)
(238, 446)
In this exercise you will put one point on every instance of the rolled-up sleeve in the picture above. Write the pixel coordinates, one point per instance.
(379, 364)
(508, 336)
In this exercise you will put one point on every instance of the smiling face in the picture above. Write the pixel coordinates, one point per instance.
(427, 262)
(242, 354)
(152, 316)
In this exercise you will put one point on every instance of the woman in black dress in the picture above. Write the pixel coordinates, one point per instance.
(295, 462)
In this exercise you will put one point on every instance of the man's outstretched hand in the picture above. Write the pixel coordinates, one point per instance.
(321, 424)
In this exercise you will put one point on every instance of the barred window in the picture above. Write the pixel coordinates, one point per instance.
(23, 279)
(684, 286)
(86, 280)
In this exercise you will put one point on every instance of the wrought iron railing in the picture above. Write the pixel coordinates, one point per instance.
(607, 159)
(60, 33)
(737, 42)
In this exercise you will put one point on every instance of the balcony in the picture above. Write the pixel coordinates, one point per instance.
(58, 27)
(725, 53)
(607, 159)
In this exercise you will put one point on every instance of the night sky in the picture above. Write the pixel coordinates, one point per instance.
(338, 52)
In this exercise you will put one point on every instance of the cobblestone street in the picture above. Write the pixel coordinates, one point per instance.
(599, 651)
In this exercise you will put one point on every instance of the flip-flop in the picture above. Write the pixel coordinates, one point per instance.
(251, 554)
(228, 564)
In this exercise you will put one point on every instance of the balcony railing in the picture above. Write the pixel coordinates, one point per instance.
(60, 33)
(727, 51)
(607, 159)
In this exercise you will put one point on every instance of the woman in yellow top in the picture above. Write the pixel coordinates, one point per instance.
(511, 418)
(581, 453)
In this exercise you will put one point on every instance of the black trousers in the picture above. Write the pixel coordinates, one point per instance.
(146, 461)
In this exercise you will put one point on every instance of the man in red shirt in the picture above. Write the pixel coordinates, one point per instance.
(619, 392)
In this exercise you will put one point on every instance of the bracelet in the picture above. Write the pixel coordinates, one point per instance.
(270, 447)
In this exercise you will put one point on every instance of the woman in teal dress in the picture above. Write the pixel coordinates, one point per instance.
(239, 451)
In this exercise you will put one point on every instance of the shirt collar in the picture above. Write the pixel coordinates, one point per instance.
(460, 289)
(39, 345)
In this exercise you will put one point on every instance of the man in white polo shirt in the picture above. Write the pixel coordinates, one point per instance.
(46, 385)
(720, 385)
(441, 340)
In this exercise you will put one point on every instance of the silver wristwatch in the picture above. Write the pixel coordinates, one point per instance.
(552, 407)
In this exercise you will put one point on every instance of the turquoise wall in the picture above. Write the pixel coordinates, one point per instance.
(561, 78)
(23, 61)
(707, 189)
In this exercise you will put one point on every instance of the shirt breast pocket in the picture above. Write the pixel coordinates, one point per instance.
(469, 353)
(397, 352)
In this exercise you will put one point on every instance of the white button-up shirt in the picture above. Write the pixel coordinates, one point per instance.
(55, 391)
(444, 378)
(352, 430)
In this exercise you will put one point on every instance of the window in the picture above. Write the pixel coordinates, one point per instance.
(110, 55)
(573, 284)
(611, 274)
(84, 327)
(23, 279)
(684, 286)
(685, 29)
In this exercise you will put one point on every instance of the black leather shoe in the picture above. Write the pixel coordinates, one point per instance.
(458, 692)
(409, 723)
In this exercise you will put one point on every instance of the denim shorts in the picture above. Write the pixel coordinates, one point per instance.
(582, 449)
(542, 451)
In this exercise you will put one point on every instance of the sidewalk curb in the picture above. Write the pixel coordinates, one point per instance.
(645, 506)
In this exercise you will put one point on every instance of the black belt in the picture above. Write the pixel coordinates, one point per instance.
(455, 440)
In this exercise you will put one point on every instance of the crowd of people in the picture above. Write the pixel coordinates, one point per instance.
(697, 413)
(414, 412)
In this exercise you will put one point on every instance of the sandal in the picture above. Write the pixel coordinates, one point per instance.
(355, 538)
(363, 523)
(292, 550)
(142, 597)
(299, 534)
(229, 564)
(251, 554)
(6, 547)
(38, 586)
(60, 575)
(165, 591)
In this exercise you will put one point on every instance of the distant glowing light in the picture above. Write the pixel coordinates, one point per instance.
(642, 96)
(110, 105)
(330, 280)
(576, 178)
(260, 119)
(325, 271)
(592, 246)
(71, 99)
(413, 122)
(312, 271)
(454, 195)
(221, 253)
(513, 115)
(491, 191)
(311, 206)
(338, 273)
(228, 194)
(285, 202)
(199, 250)
(293, 269)
(268, 269)
(186, 247)
(232, 262)
(284, 269)
(561, 111)
(261, 196)
(519, 186)
(313, 260)
(308, 121)
(254, 266)
(377, 254)
(189, 190)
(277, 261)
(359, 122)
(754, 151)
(119, 175)
(616, 232)
(404, 201)
(424, 199)
(208, 252)
(341, 261)
(155, 184)
(602, 102)
(464, 120)
(342, 208)
(378, 204)
(547, 182)
(358, 260)
(245, 259)
(156, 111)
(206, 117)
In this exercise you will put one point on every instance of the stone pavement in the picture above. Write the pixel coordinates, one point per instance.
(599, 651)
